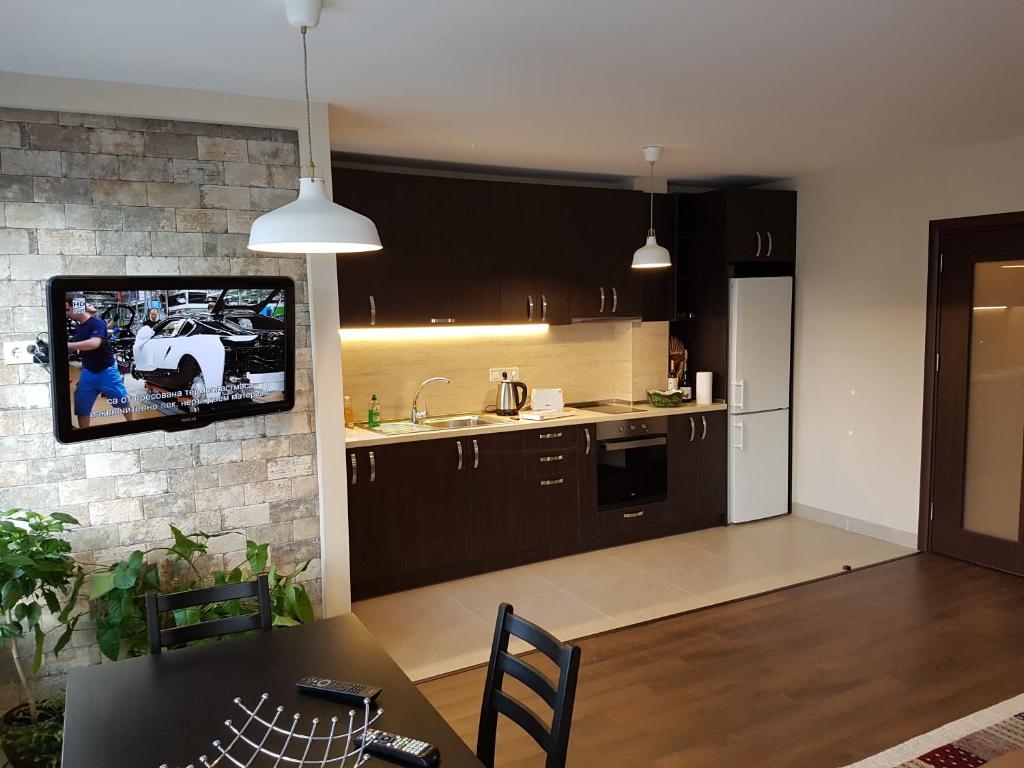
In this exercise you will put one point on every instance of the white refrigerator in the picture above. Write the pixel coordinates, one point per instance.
(760, 333)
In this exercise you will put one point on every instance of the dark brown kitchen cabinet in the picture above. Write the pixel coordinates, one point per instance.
(437, 504)
(552, 511)
(497, 472)
(760, 225)
(359, 290)
(377, 495)
(697, 481)
(586, 462)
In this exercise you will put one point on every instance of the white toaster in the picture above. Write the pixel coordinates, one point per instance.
(548, 399)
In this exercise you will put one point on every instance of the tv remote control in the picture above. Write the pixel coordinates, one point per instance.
(337, 690)
(401, 749)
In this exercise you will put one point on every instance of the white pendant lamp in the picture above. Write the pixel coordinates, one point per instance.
(311, 223)
(651, 255)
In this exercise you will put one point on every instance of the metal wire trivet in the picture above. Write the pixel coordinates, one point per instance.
(269, 741)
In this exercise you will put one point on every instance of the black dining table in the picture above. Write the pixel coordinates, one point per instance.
(168, 708)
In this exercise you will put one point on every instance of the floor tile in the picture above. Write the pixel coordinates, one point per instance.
(488, 590)
(563, 615)
(583, 570)
(638, 598)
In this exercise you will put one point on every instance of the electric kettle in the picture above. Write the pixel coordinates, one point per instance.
(511, 396)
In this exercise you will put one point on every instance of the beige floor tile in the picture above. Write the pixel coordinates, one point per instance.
(637, 598)
(651, 555)
(563, 615)
(488, 590)
(583, 570)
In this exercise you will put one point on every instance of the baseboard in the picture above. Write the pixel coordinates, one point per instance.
(847, 523)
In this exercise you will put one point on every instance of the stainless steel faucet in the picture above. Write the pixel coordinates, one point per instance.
(418, 415)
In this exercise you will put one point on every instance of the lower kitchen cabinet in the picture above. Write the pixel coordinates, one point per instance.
(497, 492)
(697, 478)
(552, 511)
(377, 495)
(437, 504)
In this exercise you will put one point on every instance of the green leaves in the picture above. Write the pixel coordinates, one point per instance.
(126, 573)
(256, 555)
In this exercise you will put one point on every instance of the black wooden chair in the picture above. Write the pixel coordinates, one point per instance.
(157, 604)
(553, 739)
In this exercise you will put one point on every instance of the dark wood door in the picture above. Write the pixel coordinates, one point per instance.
(552, 511)
(697, 481)
(496, 469)
(585, 211)
(978, 418)
(550, 254)
(358, 282)
(518, 238)
(777, 222)
(472, 213)
(436, 487)
(743, 238)
(658, 286)
(626, 224)
(587, 470)
(376, 510)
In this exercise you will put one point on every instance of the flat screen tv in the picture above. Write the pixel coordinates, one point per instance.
(134, 354)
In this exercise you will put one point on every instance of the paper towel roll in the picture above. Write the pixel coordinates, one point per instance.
(703, 387)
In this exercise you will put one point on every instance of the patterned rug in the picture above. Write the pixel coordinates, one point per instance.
(966, 743)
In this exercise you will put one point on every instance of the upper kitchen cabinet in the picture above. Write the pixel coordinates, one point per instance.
(760, 225)
(358, 286)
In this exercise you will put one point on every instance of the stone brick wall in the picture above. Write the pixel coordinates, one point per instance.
(105, 195)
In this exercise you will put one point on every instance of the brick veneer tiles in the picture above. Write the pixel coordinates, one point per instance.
(110, 195)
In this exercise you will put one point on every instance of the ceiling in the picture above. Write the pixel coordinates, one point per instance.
(733, 89)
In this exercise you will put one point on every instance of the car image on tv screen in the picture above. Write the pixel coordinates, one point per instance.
(144, 354)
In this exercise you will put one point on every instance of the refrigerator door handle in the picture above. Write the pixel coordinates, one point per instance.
(739, 388)
(739, 425)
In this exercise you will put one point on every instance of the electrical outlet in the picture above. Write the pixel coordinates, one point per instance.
(496, 374)
(16, 352)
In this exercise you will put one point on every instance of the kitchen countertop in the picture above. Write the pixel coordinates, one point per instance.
(359, 438)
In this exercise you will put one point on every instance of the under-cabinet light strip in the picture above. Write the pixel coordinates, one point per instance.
(427, 333)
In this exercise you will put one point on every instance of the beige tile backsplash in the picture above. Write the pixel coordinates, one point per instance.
(589, 361)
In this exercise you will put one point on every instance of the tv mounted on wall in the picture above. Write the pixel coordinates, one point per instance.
(134, 354)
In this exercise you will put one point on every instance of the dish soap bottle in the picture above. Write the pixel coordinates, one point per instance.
(373, 417)
(350, 419)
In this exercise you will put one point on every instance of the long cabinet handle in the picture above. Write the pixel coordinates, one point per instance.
(543, 308)
(373, 310)
(373, 467)
(586, 433)
(693, 429)
(739, 425)
(704, 422)
(442, 320)
(627, 515)
(768, 255)
(355, 468)
(601, 289)
(739, 389)
(476, 454)
(758, 254)
(529, 308)
(557, 481)
(458, 444)
(549, 435)
(615, 300)
(559, 457)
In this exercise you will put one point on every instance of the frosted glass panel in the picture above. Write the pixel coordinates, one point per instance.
(995, 410)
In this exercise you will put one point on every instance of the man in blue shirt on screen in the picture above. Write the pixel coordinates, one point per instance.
(99, 371)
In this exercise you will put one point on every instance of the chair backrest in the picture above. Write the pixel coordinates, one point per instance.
(560, 696)
(157, 604)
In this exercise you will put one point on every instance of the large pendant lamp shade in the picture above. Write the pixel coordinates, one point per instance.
(312, 223)
(651, 255)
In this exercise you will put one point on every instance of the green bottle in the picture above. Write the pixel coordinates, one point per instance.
(373, 417)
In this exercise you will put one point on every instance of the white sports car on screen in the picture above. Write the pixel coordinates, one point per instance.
(209, 357)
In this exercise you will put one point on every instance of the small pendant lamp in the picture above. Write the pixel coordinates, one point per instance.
(312, 223)
(651, 255)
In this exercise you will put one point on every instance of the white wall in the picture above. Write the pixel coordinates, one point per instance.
(47, 93)
(862, 264)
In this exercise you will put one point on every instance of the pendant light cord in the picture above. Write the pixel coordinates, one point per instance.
(651, 229)
(305, 78)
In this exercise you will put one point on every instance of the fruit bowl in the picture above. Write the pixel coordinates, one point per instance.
(662, 399)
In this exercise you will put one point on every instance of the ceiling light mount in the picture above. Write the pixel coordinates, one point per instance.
(651, 255)
(303, 14)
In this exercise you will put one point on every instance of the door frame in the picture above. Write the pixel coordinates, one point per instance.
(936, 229)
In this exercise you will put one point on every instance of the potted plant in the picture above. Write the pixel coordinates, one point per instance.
(118, 592)
(37, 573)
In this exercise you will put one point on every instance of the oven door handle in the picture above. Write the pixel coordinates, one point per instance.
(625, 445)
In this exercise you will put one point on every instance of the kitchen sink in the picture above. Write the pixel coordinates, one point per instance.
(459, 422)
(400, 428)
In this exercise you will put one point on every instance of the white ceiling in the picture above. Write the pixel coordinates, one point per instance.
(759, 88)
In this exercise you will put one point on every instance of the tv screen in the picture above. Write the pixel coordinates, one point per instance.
(132, 354)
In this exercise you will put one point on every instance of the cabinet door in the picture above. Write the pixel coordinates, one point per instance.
(471, 213)
(777, 219)
(496, 468)
(376, 510)
(587, 471)
(744, 237)
(658, 286)
(552, 511)
(515, 248)
(627, 221)
(550, 254)
(436, 487)
(358, 284)
(585, 210)
(697, 470)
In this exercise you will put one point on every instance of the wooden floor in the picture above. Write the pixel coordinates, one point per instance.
(818, 675)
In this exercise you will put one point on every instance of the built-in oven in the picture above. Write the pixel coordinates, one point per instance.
(632, 462)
